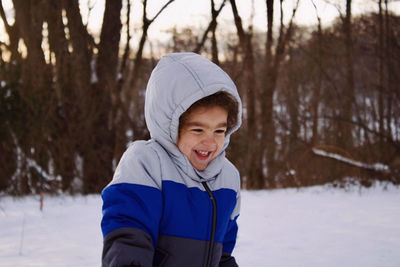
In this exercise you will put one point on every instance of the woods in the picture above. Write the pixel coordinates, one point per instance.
(316, 99)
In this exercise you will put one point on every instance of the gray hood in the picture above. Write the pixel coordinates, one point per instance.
(179, 80)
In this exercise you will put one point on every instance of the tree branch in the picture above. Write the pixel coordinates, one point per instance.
(161, 10)
(215, 14)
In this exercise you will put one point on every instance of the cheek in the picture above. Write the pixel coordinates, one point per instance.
(220, 142)
(185, 145)
(182, 147)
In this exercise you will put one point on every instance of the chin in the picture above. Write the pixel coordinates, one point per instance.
(200, 168)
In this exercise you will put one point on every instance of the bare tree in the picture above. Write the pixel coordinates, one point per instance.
(253, 171)
(272, 72)
(212, 26)
(318, 83)
(133, 94)
(68, 99)
(97, 155)
(345, 136)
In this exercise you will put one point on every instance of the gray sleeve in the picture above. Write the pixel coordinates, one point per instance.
(127, 247)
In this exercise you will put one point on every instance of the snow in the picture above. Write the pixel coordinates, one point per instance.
(66, 233)
(320, 227)
(375, 166)
(317, 226)
(22, 159)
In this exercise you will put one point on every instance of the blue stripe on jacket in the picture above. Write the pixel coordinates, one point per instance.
(175, 211)
(132, 205)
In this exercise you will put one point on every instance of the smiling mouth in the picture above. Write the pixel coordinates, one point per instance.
(203, 155)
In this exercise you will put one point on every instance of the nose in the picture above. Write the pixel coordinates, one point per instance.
(209, 141)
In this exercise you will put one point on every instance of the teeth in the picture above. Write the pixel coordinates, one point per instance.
(203, 153)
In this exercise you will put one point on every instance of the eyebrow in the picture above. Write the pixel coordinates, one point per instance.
(195, 123)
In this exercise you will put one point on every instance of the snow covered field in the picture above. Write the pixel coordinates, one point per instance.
(316, 226)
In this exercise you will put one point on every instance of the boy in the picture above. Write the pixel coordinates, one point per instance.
(174, 199)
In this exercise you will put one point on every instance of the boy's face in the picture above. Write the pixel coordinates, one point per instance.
(202, 136)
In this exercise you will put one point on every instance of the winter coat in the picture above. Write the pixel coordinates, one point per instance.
(159, 210)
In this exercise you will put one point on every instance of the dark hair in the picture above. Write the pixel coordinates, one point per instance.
(220, 99)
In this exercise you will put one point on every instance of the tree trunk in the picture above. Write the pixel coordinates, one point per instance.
(267, 107)
(317, 89)
(253, 168)
(35, 80)
(98, 154)
(346, 127)
(64, 142)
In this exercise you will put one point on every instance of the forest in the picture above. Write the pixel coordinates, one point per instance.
(321, 103)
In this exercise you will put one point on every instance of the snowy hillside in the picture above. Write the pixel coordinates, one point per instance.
(317, 226)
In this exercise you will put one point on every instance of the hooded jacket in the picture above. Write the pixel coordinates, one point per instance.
(159, 210)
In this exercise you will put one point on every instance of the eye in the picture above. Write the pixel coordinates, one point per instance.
(196, 130)
(220, 131)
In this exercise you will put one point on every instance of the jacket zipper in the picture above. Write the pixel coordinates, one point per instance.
(214, 224)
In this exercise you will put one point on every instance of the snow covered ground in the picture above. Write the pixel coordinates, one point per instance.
(318, 226)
